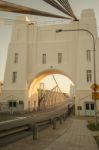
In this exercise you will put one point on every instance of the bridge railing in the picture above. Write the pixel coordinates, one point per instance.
(34, 123)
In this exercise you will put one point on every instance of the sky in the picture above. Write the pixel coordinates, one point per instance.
(5, 29)
(62, 81)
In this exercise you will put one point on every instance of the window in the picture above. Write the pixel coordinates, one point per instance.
(12, 104)
(21, 102)
(14, 77)
(88, 55)
(87, 106)
(59, 58)
(44, 58)
(79, 107)
(92, 106)
(89, 75)
(16, 58)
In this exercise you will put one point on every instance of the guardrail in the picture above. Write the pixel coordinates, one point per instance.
(35, 124)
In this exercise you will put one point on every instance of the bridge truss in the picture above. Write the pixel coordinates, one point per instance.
(51, 98)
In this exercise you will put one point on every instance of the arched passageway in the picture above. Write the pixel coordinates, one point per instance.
(42, 97)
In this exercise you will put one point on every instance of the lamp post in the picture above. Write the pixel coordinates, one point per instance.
(94, 59)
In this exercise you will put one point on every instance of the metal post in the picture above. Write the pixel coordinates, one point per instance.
(54, 123)
(35, 131)
(94, 60)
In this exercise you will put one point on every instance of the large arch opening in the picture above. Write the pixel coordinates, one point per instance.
(49, 88)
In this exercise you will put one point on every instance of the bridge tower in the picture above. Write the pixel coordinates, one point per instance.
(37, 51)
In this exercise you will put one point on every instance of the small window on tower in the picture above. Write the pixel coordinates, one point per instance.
(89, 75)
(14, 77)
(16, 58)
(44, 58)
(88, 55)
(59, 58)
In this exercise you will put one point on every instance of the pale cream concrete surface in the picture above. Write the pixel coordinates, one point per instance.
(71, 135)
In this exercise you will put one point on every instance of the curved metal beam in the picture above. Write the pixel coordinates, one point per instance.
(11, 7)
(67, 4)
(61, 2)
(57, 6)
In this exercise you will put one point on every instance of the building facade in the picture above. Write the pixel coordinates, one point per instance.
(37, 51)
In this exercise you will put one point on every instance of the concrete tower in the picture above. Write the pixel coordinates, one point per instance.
(37, 51)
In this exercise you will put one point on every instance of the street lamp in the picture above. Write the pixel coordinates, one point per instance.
(94, 60)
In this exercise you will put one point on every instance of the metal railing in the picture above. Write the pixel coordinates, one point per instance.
(35, 124)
